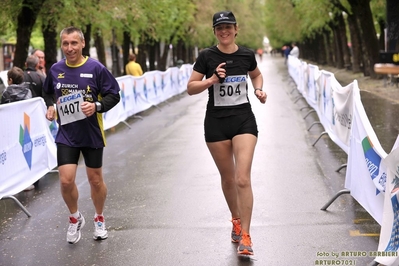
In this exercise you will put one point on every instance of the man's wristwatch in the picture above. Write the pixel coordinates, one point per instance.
(257, 89)
(98, 106)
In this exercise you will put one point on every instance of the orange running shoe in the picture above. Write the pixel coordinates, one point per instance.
(236, 231)
(245, 245)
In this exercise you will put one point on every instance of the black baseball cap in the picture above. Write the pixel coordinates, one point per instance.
(224, 17)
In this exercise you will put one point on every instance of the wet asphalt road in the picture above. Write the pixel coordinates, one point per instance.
(165, 205)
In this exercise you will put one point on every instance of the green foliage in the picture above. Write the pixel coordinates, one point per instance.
(313, 15)
(36, 39)
(379, 9)
(8, 14)
(282, 21)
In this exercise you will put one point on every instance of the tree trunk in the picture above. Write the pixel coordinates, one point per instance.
(361, 8)
(151, 56)
(87, 35)
(344, 41)
(100, 47)
(26, 20)
(356, 49)
(50, 43)
(126, 49)
(381, 39)
(393, 25)
(142, 56)
(157, 48)
(163, 58)
(322, 50)
(191, 55)
(116, 69)
(328, 48)
(338, 55)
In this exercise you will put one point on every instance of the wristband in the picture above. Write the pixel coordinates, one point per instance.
(257, 89)
(221, 80)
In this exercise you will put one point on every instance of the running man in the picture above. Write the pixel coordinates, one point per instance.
(83, 89)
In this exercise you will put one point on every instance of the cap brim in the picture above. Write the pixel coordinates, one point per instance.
(224, 22)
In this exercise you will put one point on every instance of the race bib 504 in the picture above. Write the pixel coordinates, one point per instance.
(233, 91)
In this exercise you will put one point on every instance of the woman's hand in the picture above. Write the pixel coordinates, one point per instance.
(220, 72)
(261, 95)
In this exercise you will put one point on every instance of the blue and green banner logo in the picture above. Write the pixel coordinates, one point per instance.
(25, 140)
(373, 161)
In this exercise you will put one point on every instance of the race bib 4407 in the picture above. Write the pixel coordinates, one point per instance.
(233, 91)
(68, 108)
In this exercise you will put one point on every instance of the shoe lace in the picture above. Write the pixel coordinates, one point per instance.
(100, 224)
(246, 240)
(236, 225)
(73, 225)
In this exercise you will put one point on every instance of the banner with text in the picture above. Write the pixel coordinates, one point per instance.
(27, 148)
(388, 246)
(365, 175)
(141, 93)
(343, 117)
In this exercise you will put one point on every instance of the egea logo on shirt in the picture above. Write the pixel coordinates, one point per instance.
(25, 140)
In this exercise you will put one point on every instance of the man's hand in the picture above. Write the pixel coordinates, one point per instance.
(88, 108)
(50, 114)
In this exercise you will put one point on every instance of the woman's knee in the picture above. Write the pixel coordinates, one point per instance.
(243, 181)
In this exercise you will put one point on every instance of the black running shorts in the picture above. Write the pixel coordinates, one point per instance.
(70, 155)
(224, 128)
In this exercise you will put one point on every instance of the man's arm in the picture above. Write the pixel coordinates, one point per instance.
(49, 98)
(109, 101)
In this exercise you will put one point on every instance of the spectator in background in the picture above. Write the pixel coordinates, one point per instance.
(17, 89)
(286, 50)
(41, 68)
(33, 79)
(295, 50)
(133, 68)
(260, 53)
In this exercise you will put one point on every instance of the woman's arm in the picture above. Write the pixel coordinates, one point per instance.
(257, 82)
(197, 84)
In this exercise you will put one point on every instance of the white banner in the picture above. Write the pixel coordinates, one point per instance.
(332, 102)
(365, 175)
(389, 238)
(312, 89)
(27, 148)
(371, 176)
(141, 93)
(335, 107)
(343, 117)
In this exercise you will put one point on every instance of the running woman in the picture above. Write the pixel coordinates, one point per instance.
(83, 89)
(230, 126)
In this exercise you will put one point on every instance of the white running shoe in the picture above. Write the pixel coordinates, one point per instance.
(100, 232)
(75, 225)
